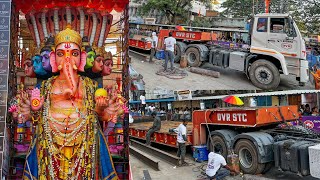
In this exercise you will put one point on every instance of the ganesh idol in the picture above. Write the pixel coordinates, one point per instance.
(69, 143)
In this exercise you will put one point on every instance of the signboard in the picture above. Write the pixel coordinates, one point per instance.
(235, 118)
(5, 12)
(312, 122)
(184, 95)
(188, 35)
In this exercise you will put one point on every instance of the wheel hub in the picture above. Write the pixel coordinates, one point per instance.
(191, 57)
(264, 75)
(245, 158)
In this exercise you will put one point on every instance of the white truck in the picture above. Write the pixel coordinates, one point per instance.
(275, 47)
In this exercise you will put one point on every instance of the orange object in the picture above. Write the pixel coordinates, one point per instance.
(316, 77)
(267, 2)
(239, 117)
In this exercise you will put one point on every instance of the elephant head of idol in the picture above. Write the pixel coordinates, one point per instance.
(67, 58)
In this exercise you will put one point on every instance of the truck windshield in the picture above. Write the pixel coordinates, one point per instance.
(281, 25)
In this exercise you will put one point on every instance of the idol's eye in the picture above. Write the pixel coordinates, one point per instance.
(75, 53)
(46, 56)
(89, 56)
(60, 53)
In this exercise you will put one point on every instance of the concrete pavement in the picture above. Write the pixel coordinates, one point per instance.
(228, 80)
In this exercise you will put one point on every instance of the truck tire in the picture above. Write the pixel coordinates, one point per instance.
(264, 74)
(193, 57)
(219, 142)
(248, 157)
(179, 50)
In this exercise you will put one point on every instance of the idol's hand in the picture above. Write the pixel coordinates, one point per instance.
(36, 101)
(24, 105)
(101, 102)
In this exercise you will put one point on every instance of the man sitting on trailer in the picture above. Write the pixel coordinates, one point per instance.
(155, 127)
(217, 166)
(182, 139)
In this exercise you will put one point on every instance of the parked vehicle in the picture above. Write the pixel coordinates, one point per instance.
(274, 46)
(261, 136)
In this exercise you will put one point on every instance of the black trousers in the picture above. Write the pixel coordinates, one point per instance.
(181, 151)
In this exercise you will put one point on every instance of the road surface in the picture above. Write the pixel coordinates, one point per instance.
(228, 80)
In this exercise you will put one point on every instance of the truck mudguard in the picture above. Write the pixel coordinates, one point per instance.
(204, 51)
(272, 53)
(251, 56)
(181, 49)
(262, 141)
(226, 134)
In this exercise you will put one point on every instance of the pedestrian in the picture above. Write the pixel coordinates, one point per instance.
(314, 111)
(143, 104)
(152, 108)
(182, 139)
(307, 111)
(169, 44)
(187, 114)
(181, 116)
(154, 45)
(217, 166)
(155, 127)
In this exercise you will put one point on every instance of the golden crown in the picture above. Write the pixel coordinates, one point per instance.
(68, 35)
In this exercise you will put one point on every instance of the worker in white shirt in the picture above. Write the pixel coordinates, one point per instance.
(217, 168)
(154, 44)
(169, 44)
(182, 139)
(143, 104)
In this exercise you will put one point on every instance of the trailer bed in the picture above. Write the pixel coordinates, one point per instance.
(163, 136)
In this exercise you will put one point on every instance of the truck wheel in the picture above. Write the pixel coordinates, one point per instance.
(264, 74)
(219, 143)
(179, 50)
(193, 57)
(248, 157)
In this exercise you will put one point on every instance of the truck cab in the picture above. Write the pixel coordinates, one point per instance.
(276, 38)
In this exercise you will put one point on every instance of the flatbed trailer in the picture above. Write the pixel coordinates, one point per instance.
(137, 42)
(139, 131)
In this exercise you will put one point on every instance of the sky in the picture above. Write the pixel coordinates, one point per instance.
(218, 8)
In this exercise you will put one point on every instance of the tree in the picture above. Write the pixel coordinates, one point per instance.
(172, 9)
(305, 13)
(307, 16)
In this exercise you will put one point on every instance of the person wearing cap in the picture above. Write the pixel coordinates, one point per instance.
(155, 127)
(154, 44)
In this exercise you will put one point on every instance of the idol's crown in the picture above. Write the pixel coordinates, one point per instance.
(68, 35)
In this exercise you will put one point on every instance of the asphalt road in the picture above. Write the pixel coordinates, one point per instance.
(228, 80)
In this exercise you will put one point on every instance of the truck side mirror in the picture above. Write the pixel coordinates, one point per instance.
(290, 31)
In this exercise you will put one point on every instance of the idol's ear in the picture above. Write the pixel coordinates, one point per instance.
(82, 61)
(53, 62)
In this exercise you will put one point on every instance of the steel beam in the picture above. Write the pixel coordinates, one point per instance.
(145, 159)
(138, 55)
(154, 151)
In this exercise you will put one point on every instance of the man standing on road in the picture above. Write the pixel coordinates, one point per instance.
(154, 44)
(217, 166)
(155, 127)
(143, 104)
(182, 139)
(169, 44)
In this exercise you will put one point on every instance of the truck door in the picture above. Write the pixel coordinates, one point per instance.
(279, 40)
(260, 32)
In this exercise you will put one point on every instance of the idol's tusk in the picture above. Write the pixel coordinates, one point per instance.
(75, 67)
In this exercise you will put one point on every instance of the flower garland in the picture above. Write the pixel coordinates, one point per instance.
(53, 162)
